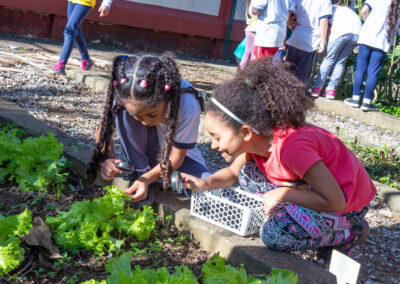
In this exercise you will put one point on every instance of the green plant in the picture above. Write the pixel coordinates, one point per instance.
(11, 227)
(102, 224)
(34, 163)
(381, 163)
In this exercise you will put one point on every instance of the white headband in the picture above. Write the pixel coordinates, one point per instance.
(231, 114)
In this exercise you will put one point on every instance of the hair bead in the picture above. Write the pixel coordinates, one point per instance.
(123, 81)
(143, 84)
(167, 87)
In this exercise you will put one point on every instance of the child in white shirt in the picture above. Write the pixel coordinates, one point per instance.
(270, 27)
(343, 38)
(376, 38)
(309, 34)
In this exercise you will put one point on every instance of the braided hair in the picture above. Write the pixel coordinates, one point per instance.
(157, 72)
(393, 19)
(265, 95)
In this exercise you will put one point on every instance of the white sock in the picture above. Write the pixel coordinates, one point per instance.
(367, 101)
(356, 98)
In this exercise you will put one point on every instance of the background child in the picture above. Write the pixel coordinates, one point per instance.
(315, 190)
(250, 32)
(376, 38)
(77, 11)
(309, 34)
(150, 105)
(343, 38)
(270, 26)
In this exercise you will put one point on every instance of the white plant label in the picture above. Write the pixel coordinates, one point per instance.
(344, 268)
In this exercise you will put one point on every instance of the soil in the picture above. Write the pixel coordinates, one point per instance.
(83, 265)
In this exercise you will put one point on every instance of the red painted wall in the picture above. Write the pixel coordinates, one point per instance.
(130, 23)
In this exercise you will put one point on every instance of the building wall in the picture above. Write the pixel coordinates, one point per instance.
(189, 26)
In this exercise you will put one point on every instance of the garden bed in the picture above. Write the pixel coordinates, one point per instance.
(166, 246)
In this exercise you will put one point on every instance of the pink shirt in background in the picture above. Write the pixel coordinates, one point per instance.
(294, 151)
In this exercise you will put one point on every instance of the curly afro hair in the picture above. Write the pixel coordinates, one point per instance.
(265, 95)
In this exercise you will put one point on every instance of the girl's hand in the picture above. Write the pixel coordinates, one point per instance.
(138, 190)
(191, 182)
(270, 202)
(109, 170)
(104, 10)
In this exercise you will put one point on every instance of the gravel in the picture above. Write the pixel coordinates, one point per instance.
(75, 109)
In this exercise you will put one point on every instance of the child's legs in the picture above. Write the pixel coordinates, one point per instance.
(349, 42)
(252, 180)
(303, 61)
(249, 49)
(76, 14)
(294, 227)
(139, 142)
(333, 50)
(364, 53)
(375, 64)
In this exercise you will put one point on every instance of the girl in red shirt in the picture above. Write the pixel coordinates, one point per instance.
(315, 191)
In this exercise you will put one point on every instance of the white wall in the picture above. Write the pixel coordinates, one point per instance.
(209, 7)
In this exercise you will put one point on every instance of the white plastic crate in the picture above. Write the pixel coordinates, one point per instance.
(231, 208)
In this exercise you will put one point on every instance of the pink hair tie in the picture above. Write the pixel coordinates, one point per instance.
(123, 81)
(167, 87)
(115, 82)
(143, 84)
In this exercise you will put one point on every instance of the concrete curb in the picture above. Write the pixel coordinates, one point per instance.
(249, 251)
(378, 119)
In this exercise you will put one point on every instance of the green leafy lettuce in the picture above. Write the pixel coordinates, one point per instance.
(11, 253)
(95, 225)
(35, 163)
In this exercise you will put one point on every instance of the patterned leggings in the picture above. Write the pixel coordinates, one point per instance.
(295, 227)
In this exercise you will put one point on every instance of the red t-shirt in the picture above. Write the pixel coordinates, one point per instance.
(294, 151)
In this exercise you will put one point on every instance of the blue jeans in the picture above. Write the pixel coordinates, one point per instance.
(370, 61)
(73, 31)
(338, 51)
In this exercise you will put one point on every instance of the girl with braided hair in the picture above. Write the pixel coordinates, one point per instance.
(315, 190)
(151, 106)
(376, 37)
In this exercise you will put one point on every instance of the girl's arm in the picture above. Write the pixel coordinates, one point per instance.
(365, 12)
(323, 23)
(223, 178)
(140, 185)
(325, 194)
(104, 9)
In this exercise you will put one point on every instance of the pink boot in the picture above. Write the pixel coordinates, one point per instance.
(330, 94)
(316, 92)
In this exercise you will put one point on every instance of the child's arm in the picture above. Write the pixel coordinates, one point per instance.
(223, 178)
(104, 9)
(323, 23)
(365, 11)
(325, 194)
(140, 185)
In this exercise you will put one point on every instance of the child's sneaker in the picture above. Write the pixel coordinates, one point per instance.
(330, 94)
(369, 107)
(59, 68)
(352, 102)
(86, 65)
(316, 92)
(359, 234)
